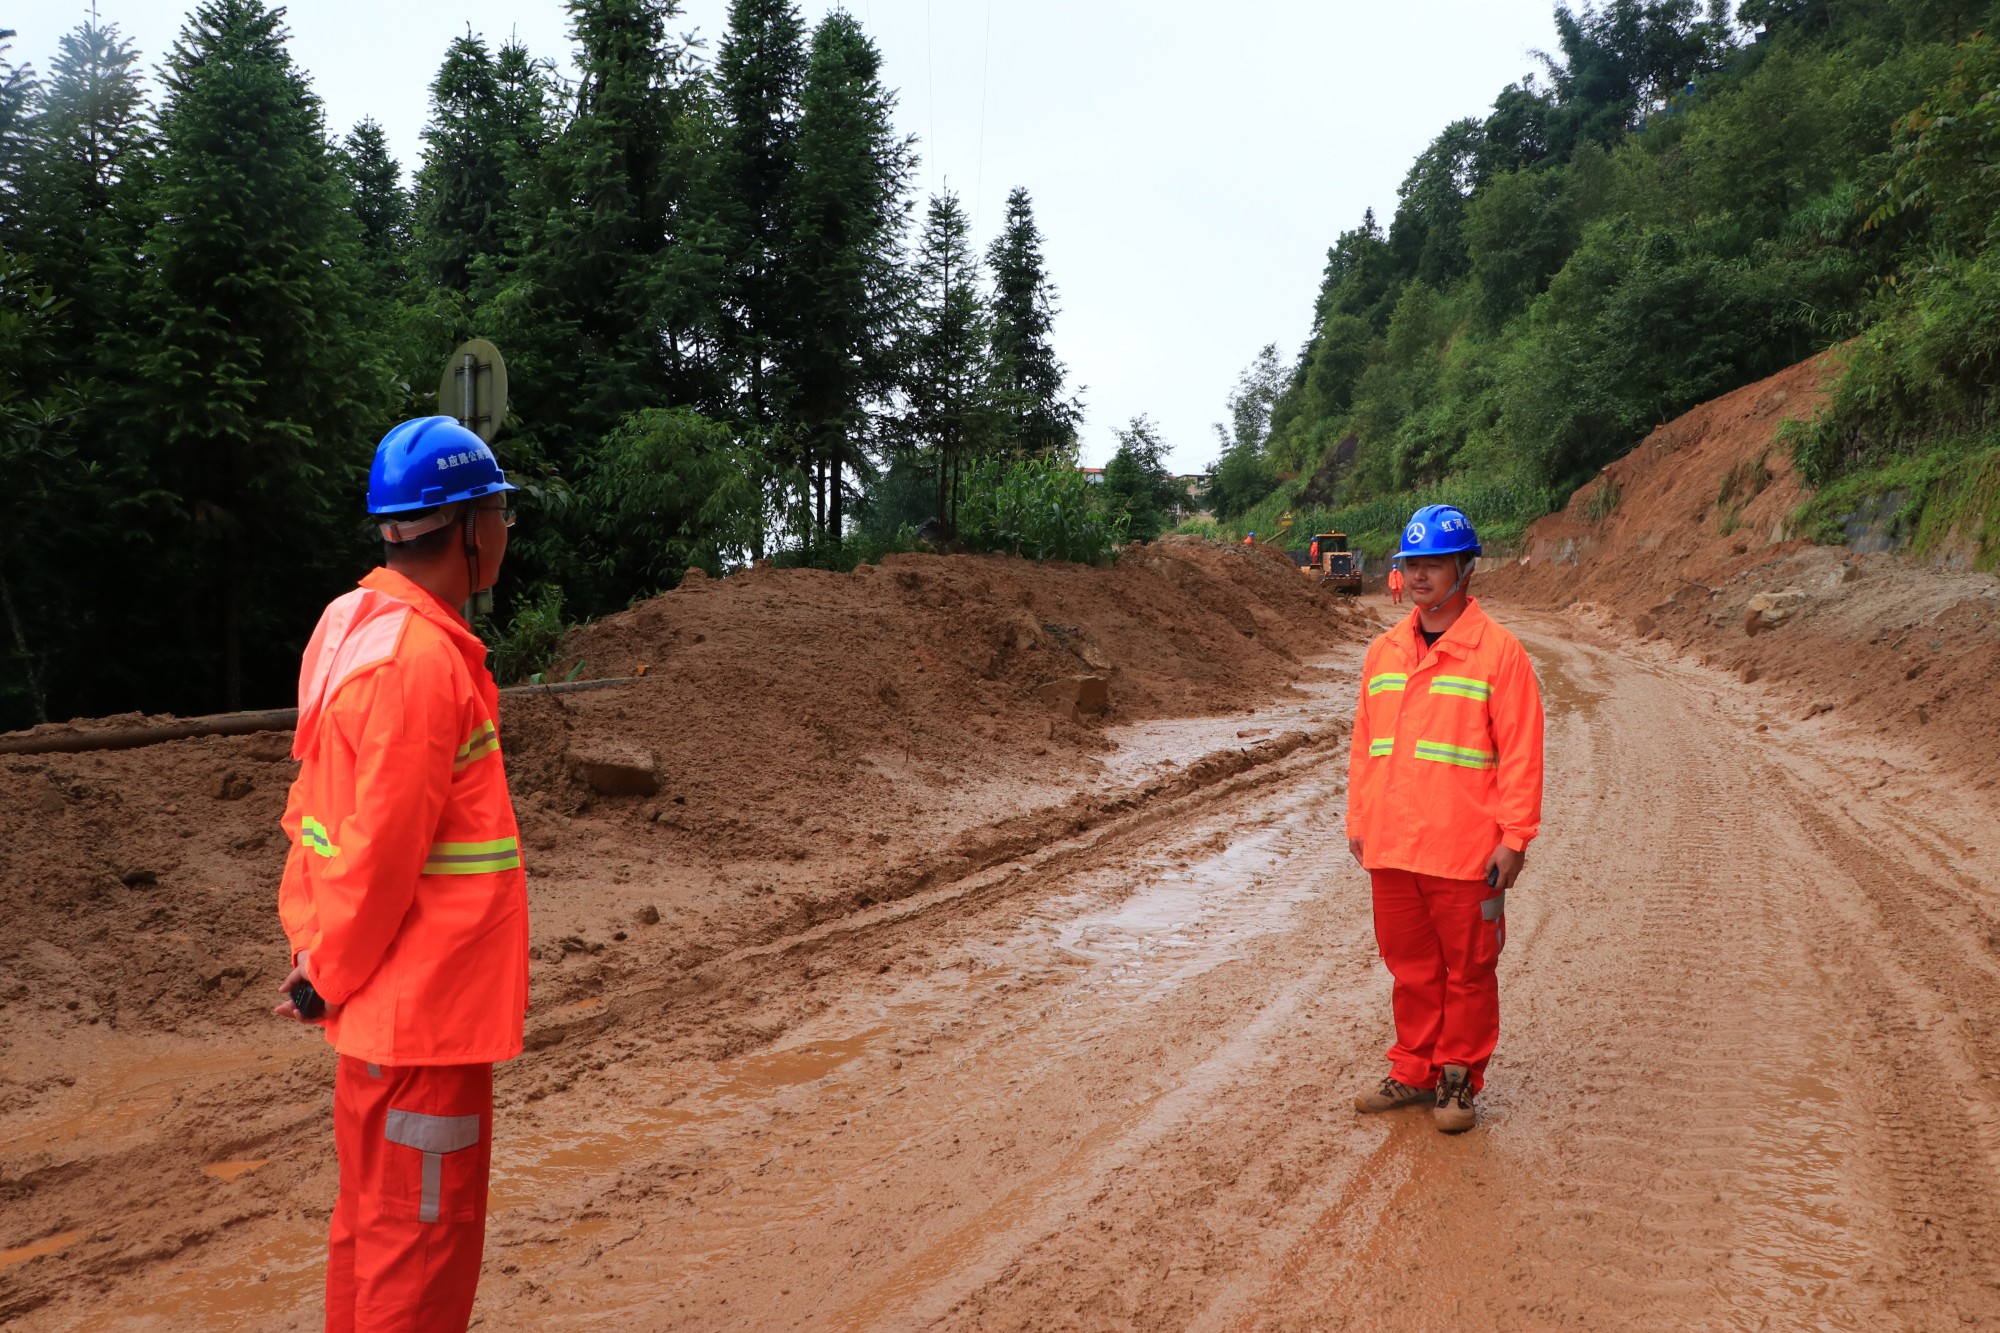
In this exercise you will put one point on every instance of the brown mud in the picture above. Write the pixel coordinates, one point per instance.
(1073, 1044)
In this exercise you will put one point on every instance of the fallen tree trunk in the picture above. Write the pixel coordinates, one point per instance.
(223, 724)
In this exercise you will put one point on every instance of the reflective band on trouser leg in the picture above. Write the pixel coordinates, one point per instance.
(1383, 748)
(1440, 753)
(1463, 686)
(315, 839)
(1388, 680)
(483, 741)
(433, 1136)
(473, 858)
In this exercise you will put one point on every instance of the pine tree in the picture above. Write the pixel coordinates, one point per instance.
(381, 206)
(612, 308)
(17, 95)
(1028, 379)
(463, 188)
(947, 374)
(84, 165)
(255, 391)
(759, 75)
(854, 171)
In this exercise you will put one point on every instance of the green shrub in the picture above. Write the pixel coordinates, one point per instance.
(1603, 501)
(1043, 509)
(532, 641)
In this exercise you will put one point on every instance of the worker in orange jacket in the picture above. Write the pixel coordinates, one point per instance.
(1444, 796)
(1395, 585)
(403, 895)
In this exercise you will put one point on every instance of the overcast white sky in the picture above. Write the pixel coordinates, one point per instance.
(1190, 164)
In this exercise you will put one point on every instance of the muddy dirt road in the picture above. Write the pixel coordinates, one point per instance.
(1749, 1075)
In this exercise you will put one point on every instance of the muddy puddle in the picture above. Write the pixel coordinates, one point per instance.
(1323, 696)
(1180, 921)
(20, 1254)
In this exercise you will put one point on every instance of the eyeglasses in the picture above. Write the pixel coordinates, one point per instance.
(503, 503)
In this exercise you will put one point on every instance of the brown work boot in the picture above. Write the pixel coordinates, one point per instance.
(1453, 1113)
(1390, 1096)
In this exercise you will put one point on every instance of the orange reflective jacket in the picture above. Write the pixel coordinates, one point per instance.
(404, 877)
(1446, 760)
(1395, 580)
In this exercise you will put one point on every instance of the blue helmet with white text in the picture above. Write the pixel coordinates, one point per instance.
(428, 462)
(1438, 530)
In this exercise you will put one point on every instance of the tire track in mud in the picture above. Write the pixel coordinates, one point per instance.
(1922, 999)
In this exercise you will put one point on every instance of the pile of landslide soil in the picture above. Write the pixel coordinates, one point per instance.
(1679, 536)
(802, 743)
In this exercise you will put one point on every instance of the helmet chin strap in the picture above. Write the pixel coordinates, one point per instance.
(1464, 573)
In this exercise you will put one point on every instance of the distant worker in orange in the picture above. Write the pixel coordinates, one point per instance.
(403, 894)
(1444, 796)
(1396, 584)
(1249, 538)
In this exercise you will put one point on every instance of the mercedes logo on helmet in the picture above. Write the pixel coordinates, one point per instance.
(1416, 532)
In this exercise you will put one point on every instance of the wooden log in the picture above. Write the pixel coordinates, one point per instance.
(226, 724)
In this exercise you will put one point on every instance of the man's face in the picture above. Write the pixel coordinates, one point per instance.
(495, 518)
(1429, 577)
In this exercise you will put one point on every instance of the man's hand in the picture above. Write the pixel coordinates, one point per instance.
(1354, 850)
(1507, 863)
(301, 971)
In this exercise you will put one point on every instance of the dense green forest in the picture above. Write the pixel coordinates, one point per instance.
(1681, 201)
(735, 331)
(729, 334)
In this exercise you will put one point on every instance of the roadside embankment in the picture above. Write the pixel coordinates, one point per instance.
(1687, 540)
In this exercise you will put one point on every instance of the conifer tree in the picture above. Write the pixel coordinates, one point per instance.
(463, 188)
(254, 391)
(759, 75)
(381, 206)
(602, 310)
(612, 307)
(85, 161)
(88, 131)
(1028, 379)
(947, 372)
(17, 94)
(854, 170)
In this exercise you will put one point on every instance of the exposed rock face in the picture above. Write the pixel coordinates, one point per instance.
(1768, 610)
(617, 770)
(1077, 696)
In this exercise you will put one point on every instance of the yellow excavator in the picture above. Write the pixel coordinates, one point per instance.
(1338, 567)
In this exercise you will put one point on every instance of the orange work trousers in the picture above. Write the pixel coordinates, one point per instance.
(415, 1144)
(1441, 939)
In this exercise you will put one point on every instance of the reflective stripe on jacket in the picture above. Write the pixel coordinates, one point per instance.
(1446, 758)
(404, 877)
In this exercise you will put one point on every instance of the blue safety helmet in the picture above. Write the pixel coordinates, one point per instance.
(1438, 530)
(428, 462)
